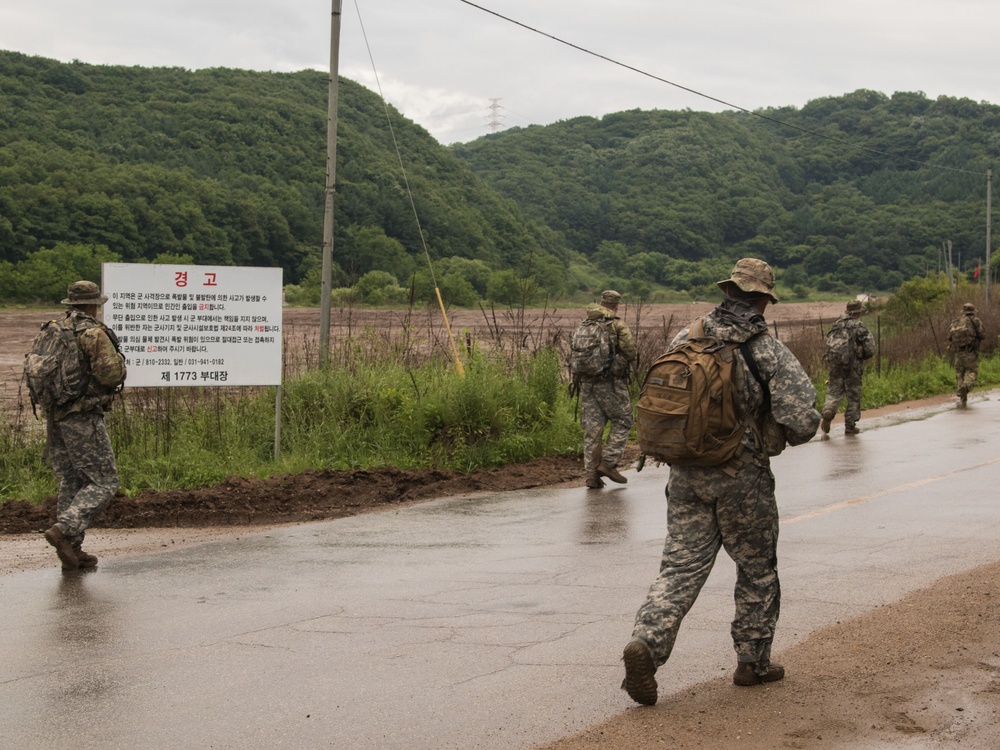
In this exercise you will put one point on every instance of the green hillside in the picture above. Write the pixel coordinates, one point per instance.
(228, 167)
(657, 195)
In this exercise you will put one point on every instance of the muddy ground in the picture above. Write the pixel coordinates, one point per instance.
(922, 673)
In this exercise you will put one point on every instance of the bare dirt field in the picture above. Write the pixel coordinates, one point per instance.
(923, 673)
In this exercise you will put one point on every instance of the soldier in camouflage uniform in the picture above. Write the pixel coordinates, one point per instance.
(607, 399)
(731, 505)
(966, 355)
(845, 381)
(78, 447)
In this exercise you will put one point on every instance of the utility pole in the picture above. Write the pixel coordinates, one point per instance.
(989, 230)
(326, 287)
(946, 250)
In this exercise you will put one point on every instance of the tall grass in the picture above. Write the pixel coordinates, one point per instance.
(391, 397)
(380, 412)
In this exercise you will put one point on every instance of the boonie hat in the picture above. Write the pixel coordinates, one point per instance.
(968, 307)
(610, 295)
(84, 293)
(854, 306)
(751, 275)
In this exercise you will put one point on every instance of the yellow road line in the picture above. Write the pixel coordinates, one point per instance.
(889, 491)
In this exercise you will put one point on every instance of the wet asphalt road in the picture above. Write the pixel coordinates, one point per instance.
(492, 622)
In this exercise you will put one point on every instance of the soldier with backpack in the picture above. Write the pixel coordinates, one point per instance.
(730, 504)
(964, 337)
(848, 344)
(602, 356)
(73, 371)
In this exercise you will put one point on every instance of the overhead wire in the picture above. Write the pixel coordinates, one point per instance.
(712, 98)
(409, 194)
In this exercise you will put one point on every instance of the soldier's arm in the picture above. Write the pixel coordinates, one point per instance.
(793, 397)
(625, 343)
(107, 365)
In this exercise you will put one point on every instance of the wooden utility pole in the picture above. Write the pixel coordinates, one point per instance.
(989, 230)
(946, 249)
(326, 287)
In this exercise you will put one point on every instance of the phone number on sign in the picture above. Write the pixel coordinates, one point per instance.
(194, 376)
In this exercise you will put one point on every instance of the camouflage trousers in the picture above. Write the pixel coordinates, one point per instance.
(708, 509)
(604, 401)
(844, 383)
(79, 452)
(966, 370)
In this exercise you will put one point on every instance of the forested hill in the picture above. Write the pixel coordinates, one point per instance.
(226, 166)
(673, 197)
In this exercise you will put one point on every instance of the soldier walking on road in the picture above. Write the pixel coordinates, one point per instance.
(603, 387)
(78, 447)
(964, 338)
(731, 505)
(848, 344)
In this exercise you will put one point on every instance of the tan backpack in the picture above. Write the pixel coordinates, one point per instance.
(687, 413)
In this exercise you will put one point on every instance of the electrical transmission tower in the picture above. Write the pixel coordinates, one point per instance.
(495, 115)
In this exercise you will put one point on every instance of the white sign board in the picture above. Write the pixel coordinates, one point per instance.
(195, 325)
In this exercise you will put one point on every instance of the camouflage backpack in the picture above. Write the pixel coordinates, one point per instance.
(687, 413)
(54, 368)
(840, 346)
(592, 349)
(961, 335)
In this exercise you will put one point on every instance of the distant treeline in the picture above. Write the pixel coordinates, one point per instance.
(654, 195)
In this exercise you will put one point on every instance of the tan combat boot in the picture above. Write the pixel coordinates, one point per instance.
(86, 560)
(603, 470)
(64, 548)
(748, 674)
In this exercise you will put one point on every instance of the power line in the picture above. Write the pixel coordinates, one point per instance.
(714, 99)
(409, 194)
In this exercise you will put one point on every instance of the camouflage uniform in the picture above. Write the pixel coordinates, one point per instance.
(845, 381)
(78, 447)
(731, 506)
(966, 359)
(604, 400)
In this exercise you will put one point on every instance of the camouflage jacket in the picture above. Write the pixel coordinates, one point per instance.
(793, 397)
(105, 364)
(625, 350)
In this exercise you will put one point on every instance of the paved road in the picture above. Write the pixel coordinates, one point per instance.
(492, 622)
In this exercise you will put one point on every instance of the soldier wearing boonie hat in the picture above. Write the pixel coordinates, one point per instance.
(965, 335)
(605, 399)
(78, 447)
(848, 338)
(731, 505)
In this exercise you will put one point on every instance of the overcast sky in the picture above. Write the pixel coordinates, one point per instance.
(440, 62)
